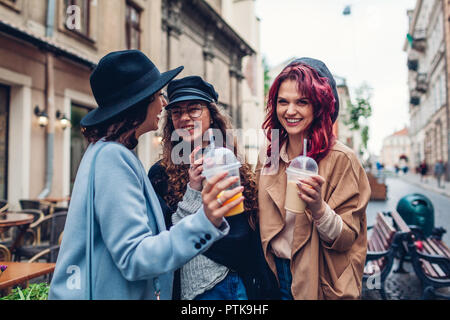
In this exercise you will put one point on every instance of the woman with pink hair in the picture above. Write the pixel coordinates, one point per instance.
(318, 254)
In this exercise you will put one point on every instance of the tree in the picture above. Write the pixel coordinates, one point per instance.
(359, 112)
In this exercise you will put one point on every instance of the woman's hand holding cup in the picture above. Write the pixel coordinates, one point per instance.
(310, 191)
(214, 207)
(195, 171)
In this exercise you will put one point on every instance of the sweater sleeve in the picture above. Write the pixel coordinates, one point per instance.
(122, 215)
(329, 225)
(192, 201)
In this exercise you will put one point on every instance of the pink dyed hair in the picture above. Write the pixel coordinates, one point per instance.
(318, 91)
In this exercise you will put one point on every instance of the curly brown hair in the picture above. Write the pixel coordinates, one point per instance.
(122, 127)
(178, 175)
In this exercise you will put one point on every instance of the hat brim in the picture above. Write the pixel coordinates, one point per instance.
(187, 98)
(100, 115)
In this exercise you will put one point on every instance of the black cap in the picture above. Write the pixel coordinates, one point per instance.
(323, 71)
(190, 88)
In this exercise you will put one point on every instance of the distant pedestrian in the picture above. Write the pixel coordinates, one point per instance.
(438, 172)
(423, 171)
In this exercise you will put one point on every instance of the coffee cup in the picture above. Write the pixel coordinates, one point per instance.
(300, 168)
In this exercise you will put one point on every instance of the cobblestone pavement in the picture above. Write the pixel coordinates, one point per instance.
(398, 286)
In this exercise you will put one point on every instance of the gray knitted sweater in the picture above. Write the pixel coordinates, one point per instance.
(201, 273)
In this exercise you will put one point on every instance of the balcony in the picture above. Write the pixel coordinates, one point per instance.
(414, 98)
(421, 83)
(419, 41)
(413, 65)
(415, 101)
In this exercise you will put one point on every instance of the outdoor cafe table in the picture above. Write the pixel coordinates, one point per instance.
(20, 272)
(20, 220)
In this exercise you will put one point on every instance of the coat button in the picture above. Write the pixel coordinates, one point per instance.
(208, 236)
(203, 241)
(198, 246)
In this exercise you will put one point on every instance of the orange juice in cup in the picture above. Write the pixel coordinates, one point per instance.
(218, 160)
(236, 209)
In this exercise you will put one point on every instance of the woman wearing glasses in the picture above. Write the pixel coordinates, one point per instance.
(219, 273)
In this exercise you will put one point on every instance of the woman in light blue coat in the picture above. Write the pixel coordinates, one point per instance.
(115, 243)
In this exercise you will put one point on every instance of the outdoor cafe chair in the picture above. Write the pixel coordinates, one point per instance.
(33, 234)
(3, 206)
(36, 204)
(45, 207)
(5, 254)
(56, 223)
(49, 255)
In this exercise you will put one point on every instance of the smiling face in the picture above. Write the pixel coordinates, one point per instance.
(294, 110)
(190, 119)
(153, 114)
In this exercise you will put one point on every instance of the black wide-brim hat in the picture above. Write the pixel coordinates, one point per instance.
(121, 80)
(323, 71)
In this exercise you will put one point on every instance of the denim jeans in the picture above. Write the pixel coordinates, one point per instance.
(230, 288)
(285, 277)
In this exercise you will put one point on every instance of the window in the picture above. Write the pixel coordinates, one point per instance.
(4, 127)
(132, 27)
(77, 16)
(78, 143)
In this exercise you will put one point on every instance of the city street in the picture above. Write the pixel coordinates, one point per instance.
(399, 187)
(407, 286)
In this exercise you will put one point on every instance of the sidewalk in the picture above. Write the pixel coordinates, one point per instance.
(430, 184)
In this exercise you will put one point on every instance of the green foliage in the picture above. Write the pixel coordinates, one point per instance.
(38, 291)
(365, 136)
(360, 110)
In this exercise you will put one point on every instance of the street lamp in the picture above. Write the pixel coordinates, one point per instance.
(42, 116)
(65, 123)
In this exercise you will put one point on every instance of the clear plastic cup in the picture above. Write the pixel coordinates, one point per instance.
(300, 168)
(217, 160)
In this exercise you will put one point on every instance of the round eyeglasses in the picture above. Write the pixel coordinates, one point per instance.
(194, 111)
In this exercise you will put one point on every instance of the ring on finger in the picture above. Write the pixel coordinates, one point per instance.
(219, 201)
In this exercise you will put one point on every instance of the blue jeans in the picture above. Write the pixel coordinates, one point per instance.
(230, 288)
(285, 277)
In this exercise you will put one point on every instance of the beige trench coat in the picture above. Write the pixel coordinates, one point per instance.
(321, 270)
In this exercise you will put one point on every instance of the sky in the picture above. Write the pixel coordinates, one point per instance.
(363, 47)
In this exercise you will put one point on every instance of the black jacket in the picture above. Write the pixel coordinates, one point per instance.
(240, 250)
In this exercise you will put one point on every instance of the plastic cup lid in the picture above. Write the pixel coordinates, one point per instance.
(303, 164)
(217, 160)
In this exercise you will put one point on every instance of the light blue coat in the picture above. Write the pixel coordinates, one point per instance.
(132, 245)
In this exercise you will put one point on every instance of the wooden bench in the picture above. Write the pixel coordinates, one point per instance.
(403, 232)
(430, 258)
(381, 248)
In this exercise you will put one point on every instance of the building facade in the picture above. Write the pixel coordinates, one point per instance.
(426, 47)
(396, 149)
(48, 50)
(342, 130)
